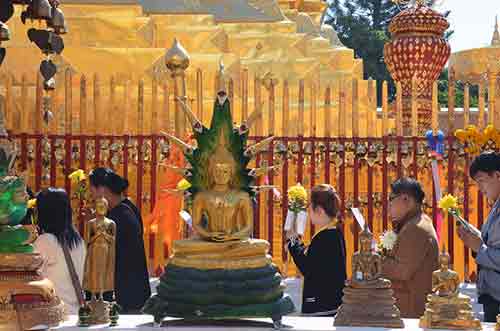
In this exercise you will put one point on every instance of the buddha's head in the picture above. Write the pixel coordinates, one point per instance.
(101, 207)
(444, 259)
(365, 240)
(222, 166)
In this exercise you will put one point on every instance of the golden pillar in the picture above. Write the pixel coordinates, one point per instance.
(177, 61)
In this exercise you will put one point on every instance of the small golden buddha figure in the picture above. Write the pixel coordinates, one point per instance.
(367, 264)
(100, 236)
(227, 210)
(445, 282)
(446, 308)
(368, 298)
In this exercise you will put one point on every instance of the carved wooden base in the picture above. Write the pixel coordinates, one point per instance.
(26, 299)
(368, 307)
(99, 312)
(454, 313)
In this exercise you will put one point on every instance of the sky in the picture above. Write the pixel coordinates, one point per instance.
(472, 21)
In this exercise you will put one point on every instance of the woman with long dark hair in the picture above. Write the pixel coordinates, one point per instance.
(56, 230)
(323, 262)
(132, 287)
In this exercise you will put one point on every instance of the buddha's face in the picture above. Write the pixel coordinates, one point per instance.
(101, 207)
(444, 261)
(365, 245)
(222, 173)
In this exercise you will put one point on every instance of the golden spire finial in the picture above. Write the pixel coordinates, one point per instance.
(177, 58)
(495, 41)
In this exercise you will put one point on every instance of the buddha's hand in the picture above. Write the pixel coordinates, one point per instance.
(219, 236)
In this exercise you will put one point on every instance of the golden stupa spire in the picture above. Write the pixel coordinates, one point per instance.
(495, 41)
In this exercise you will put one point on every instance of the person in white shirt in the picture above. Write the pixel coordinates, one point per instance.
(56, 229)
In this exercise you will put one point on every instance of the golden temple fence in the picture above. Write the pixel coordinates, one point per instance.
(339, 137)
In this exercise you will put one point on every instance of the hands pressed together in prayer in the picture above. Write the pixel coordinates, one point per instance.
(471, 238)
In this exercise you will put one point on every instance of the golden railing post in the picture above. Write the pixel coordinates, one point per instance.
(385, 109)
(154, 105)
(166, 108)
(140, 106)
(285, 115)
(301, 108)
(492, 80)
(414, 107)
(230, 91)
(313, 110)
(481, 105)
(24, 104)
(272, 114)
(371, 109)
(327, 111)
(97, 105)
(435, 108)
(9, 104)
(451, 100)
(126, 106)
(355, 108)
(111, 127)
(466, 104)
(258, 105)
(38, 108)
(83, 104)
(177, 61)
(244, 94)
(199, 94)
(399, 109)
(342, 122)
(68, 101)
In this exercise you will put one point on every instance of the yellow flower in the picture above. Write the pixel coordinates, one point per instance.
(77, 176)
(31, 203)
(183, 185)
(489, 132)
(461, 135)
(448, 202)
(297, 192)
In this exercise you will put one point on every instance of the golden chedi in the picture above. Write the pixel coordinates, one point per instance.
(26, 298)
(368, 298)
(446, 308)
(99, 275)
(222, 273)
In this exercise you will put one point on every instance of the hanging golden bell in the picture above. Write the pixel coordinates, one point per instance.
(4, 32)
(58, 23)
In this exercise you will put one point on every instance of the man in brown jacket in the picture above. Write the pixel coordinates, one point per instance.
(415, 255)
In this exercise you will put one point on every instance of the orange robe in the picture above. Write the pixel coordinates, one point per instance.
(164, 221)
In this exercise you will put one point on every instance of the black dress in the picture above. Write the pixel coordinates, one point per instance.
(132, 287)
(323, 265)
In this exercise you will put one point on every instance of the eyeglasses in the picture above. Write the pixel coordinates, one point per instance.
(393, 196)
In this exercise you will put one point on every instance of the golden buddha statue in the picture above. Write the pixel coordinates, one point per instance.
(368, 298)
(227, 210)
(223, 219)
(446, 308)
(367, 264)
(224, 273)
(99, 275)
(100, 236)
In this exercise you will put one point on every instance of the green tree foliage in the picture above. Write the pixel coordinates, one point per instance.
(363, 25)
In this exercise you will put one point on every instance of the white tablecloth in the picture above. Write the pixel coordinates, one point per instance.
(145, 323)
